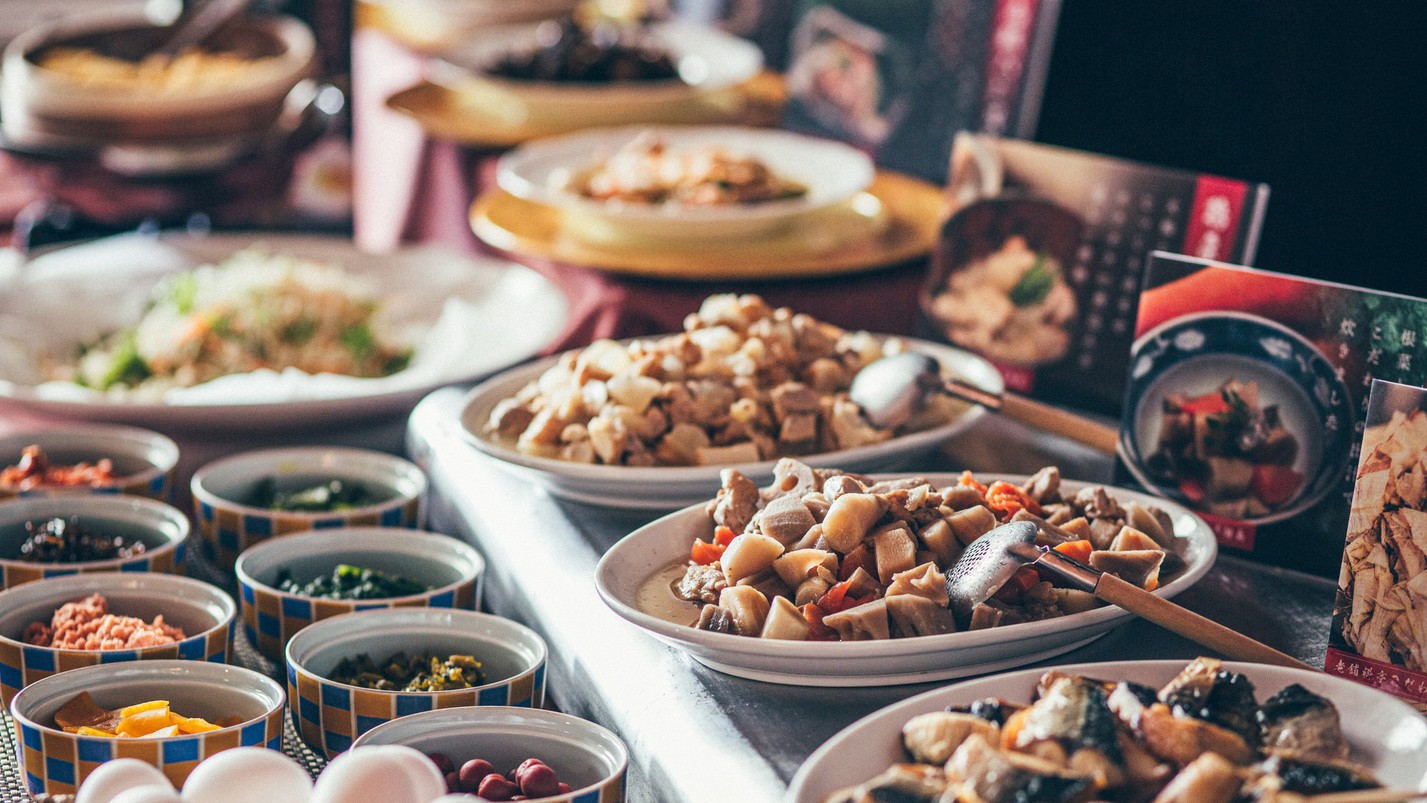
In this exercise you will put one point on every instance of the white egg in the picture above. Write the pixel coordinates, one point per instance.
(148, 794)
(457, 797)
(379, 774)
(248, 775)
(113, 778)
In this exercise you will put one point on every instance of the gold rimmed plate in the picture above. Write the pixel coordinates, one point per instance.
(895, 220)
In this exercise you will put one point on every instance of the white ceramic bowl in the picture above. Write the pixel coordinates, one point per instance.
(204, 612)
(40, 106)
(144, 461)
(229, 522)
(542, 171)
(56, 762)
(1384, 733)
(590, 758)
(451, 570)
(629, 565)
(162, 529)
(708, 60)
(330, 715)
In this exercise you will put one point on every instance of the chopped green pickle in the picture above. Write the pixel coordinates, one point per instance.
(424, 672)
(323, 497)
(351, 582)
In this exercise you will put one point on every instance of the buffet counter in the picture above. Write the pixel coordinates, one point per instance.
(695, 734)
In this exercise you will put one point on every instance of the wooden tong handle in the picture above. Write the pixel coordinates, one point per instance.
(1191, 625)
(1060, 422)
(1369, 796)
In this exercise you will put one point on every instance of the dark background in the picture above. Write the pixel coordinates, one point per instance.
(1324, 101)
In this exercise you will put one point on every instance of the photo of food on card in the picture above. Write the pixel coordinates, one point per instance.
(1379, 633)
(1247, 395)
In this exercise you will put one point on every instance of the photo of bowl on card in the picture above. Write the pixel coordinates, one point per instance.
(1235, 415)
(998, 283)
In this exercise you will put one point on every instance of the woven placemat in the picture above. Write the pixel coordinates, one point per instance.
(13, 788)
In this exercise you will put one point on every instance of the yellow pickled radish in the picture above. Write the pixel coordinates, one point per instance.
(144, 722)
(142, 707)
(85, 730)
(171, 730)
(193, 724)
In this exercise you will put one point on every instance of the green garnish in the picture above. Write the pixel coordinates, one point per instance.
(1035, 284)
(128, 367)
(299, 331)
(321, 497)
(351, 582)
(359, 340)
(426, 672)
(182, 292)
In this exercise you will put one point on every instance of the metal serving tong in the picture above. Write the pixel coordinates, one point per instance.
(891, 389)
(991, 560)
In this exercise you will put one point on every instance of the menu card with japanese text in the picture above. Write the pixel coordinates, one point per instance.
(900, 77)
(1379, 634)
(1247, 399)
(1039, 267)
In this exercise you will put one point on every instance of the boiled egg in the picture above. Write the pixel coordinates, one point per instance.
(248, 775)
(379, 774)
(113, 778)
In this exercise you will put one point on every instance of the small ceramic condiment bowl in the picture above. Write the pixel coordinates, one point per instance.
(204, 613)
(56, 762)
(162, 529)
(143, 461)
(224, 491)
(330, 715)
(589, 758)
(449, 569)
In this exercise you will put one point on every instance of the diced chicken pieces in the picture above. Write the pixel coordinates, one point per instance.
(862, 623)
(510, 417)
(972, 523)
(798, 431)
(736, 502)
(785, 622)
(1138, 567)
(849, 519)
(1044, 486)
(748, 554)
(701, 584)
(747, 606)
(895, 551)
(794, 398)
(913, 616)
(925, 581)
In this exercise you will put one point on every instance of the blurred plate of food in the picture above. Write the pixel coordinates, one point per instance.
(827, 580)
(651, 423)
(895, 220)
(260, 330)
(436, 26)
(574, 75)
(1226, 412)
(671, 183)
(997, 285)
(1277, 733)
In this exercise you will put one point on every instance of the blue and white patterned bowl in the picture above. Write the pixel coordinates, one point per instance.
(56, 762)
(205, 614)
(1196, 354)
(450, 569)
(144, 461)
(331, 715)
(589, 758)
(228, 524)
(162, 528)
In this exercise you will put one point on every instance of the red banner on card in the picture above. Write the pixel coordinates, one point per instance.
(1214, 218)
(1231, 532)
(1404, 683)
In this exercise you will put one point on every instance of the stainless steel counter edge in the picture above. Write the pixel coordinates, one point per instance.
(697, 735)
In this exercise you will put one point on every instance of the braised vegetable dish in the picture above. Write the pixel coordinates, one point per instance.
(65, 540)
(423, 672)
(743, 382)
(648, 170)
(569, 52)
(1203, 738)
(1227, 452)
(826, 556)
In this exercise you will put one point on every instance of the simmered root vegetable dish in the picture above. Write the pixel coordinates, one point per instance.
(743, 382)
(826, 556)
(648, 171)
(1203, 738)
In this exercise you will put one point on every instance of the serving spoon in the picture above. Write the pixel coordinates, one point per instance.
(892, 389)
(990, 561)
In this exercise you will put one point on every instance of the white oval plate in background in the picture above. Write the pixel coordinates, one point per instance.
(466, 315)
(670, 487)
(653, 548)
(1386, 735)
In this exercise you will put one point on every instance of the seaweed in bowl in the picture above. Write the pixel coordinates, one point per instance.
(351, 582)
(568, 51)
(316, 494)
